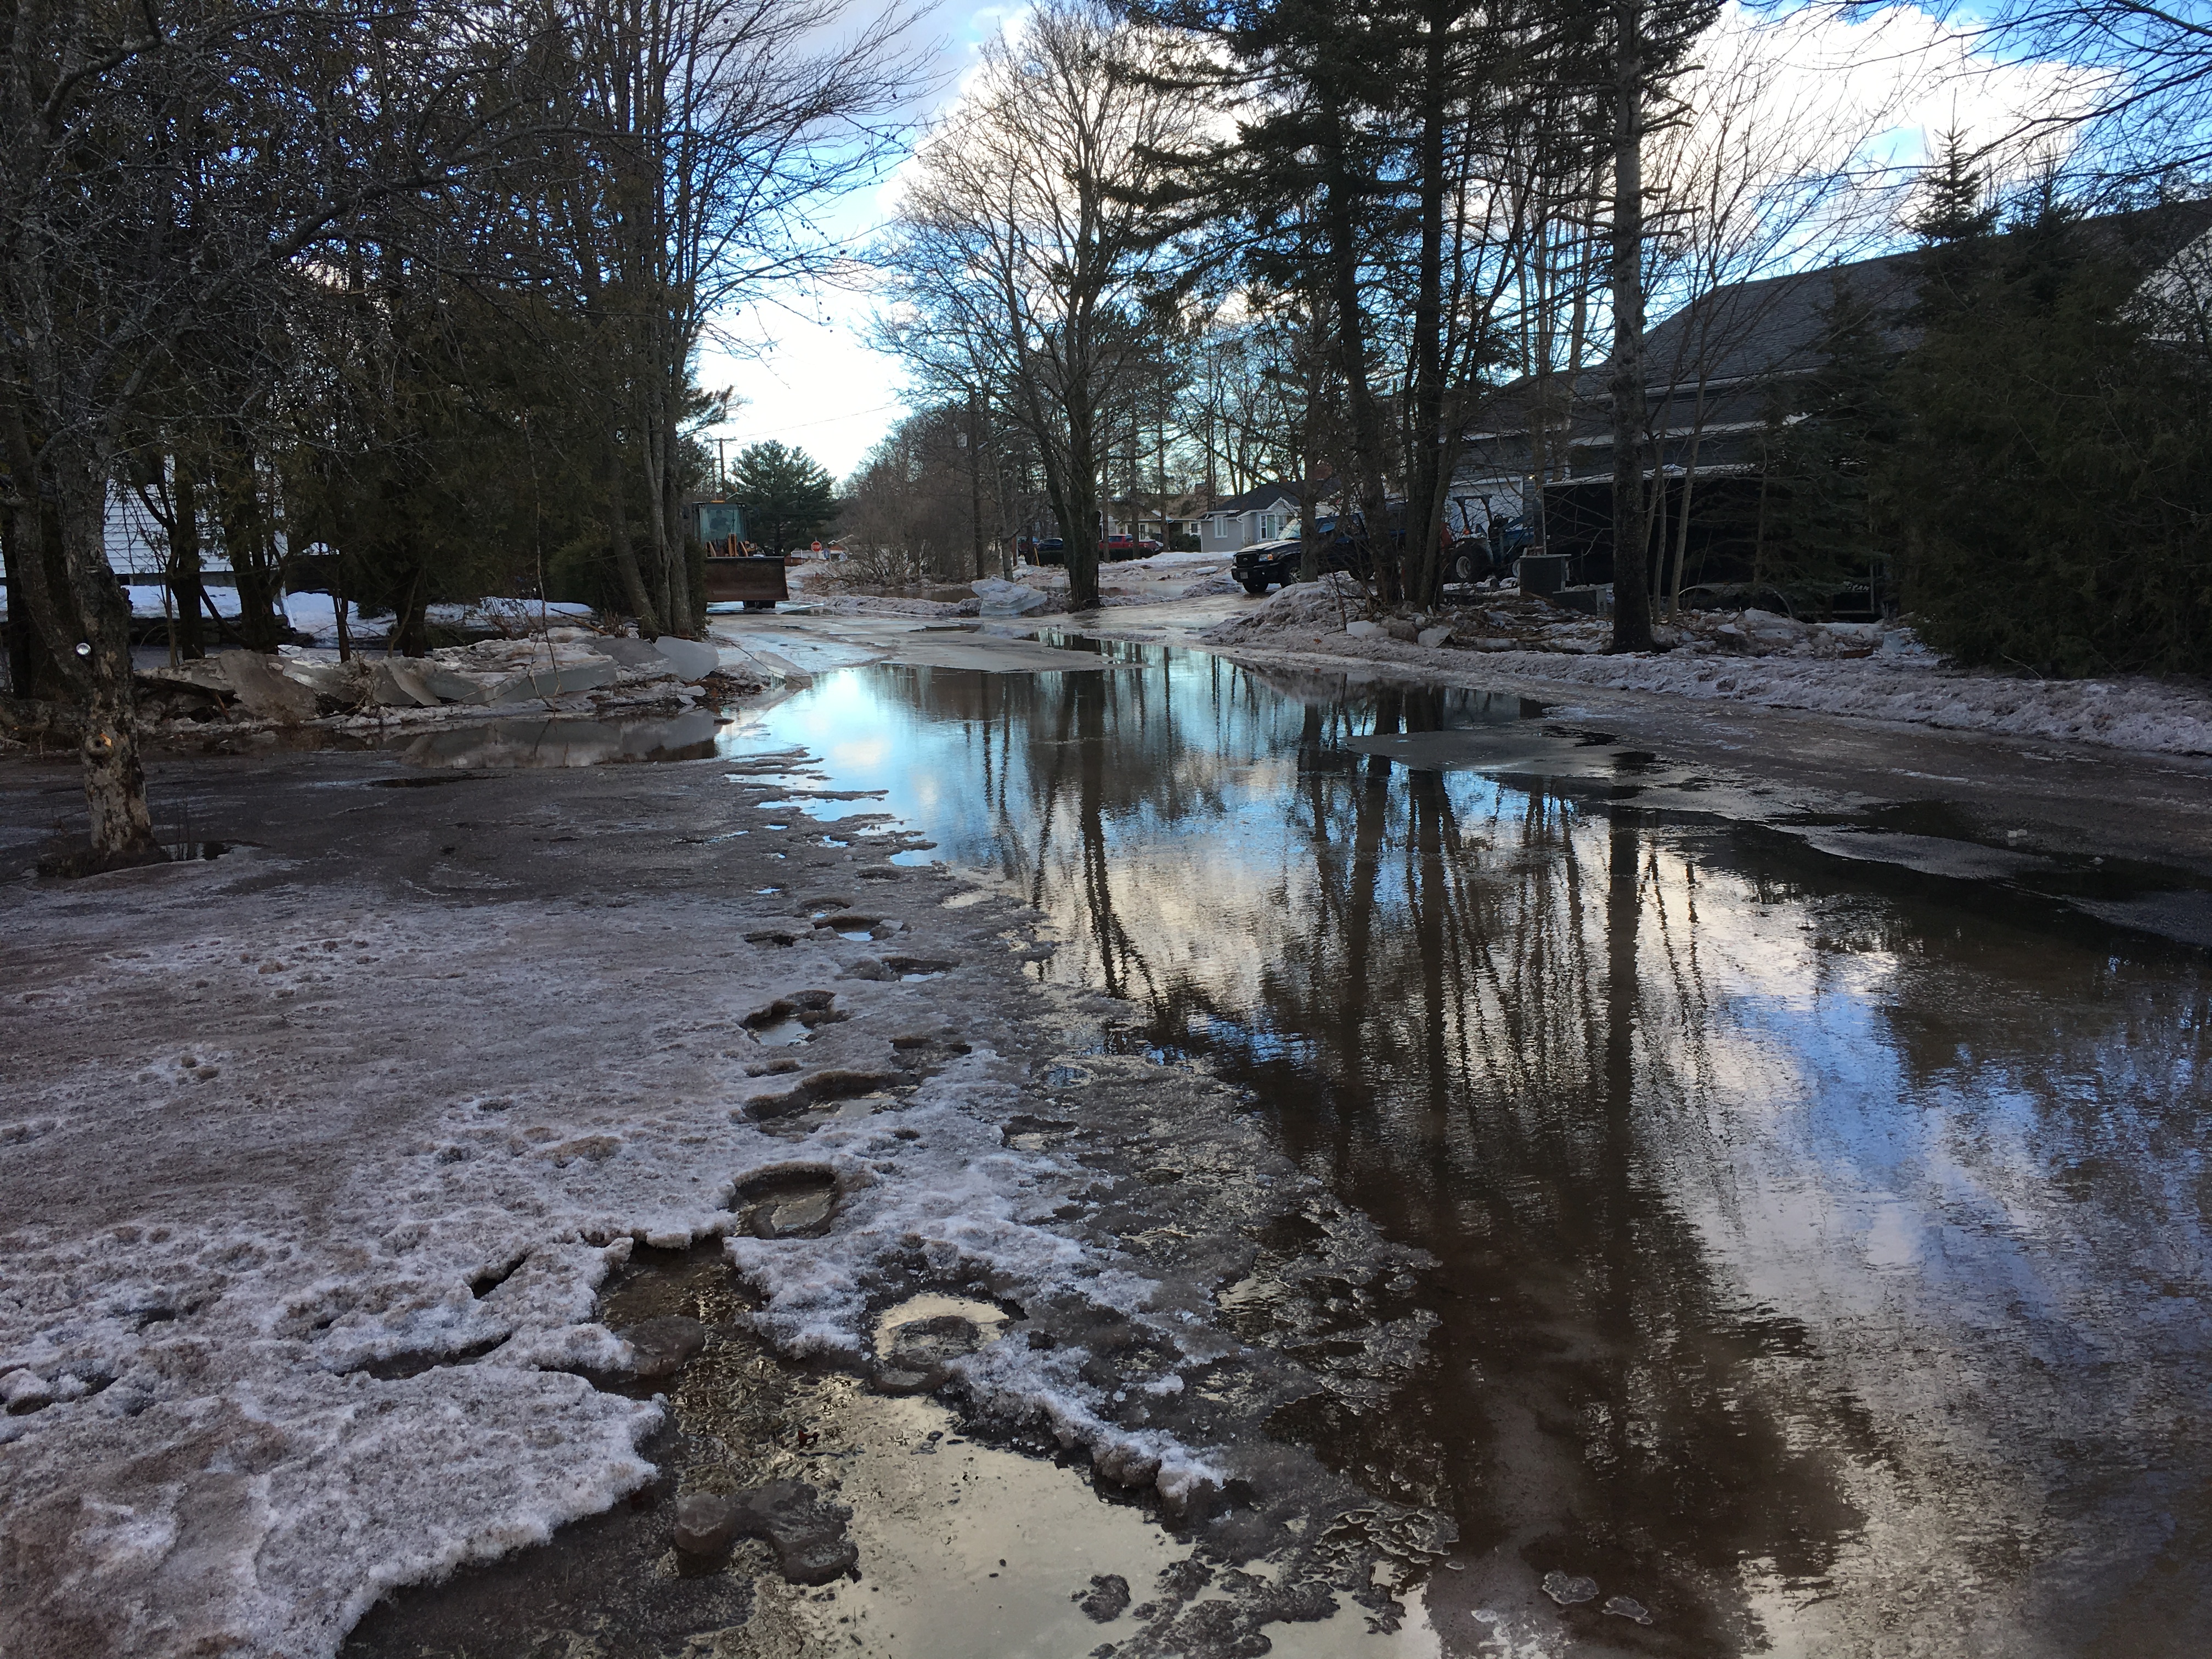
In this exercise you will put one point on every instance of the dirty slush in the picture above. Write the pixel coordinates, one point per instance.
(1234, 1189)
(375, 1160)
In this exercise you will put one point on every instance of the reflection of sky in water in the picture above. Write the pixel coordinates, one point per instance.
(1661, 1070)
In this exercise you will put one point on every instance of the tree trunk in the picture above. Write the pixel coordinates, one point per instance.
(39, 589)
(658, 585)
(1352, 342)
(975, 479)
(122, 829)
(245, 539)
(1632, 593)
(17, 640)
(672, 585)
(1682, 516)
(338, 607)
(411, 629)
(1424, 490)
(1079, 524)
(626, 568)
(1308, 505)
(184, 586)
(28, 539)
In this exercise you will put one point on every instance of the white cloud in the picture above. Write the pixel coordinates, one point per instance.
(1891, 84)
(801, 368)
(813, 384)
(1896, 80)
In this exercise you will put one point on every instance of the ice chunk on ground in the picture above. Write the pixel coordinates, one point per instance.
(1006, 599)
(691, 658)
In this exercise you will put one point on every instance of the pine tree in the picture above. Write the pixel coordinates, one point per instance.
(2053, 476)
(1828, 511)
(786, 494)
(1954, 206)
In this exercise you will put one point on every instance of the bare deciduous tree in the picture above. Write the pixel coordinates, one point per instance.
(158, 161)
(1024, 255)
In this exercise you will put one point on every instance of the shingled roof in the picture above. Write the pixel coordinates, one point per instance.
(1259, 499)
(1772, 327)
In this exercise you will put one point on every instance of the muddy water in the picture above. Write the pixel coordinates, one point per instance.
(1818, 1247)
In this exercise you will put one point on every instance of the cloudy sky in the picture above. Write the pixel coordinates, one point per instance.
(805, 376)
(800, 371)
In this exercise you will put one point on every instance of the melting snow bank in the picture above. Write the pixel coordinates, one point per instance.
(317, 1163)
(1902, 682)
(2134, 713)
(491, 679)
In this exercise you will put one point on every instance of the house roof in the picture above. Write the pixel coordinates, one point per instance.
(1772, 326)
(1259, 499)
(1264, 497)
(1757, 330)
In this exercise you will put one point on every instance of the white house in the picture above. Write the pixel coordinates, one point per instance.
(1257, 515)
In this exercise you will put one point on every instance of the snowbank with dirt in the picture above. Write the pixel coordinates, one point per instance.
(311, 1185)
(568, 670)
(1861, 671)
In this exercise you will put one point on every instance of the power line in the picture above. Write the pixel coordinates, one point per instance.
(827, 420)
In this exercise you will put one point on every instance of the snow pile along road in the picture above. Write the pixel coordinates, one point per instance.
(568, 670)
(1857, 670)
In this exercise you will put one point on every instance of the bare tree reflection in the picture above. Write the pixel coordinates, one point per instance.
(1493, 1019)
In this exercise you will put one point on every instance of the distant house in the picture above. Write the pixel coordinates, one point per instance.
(1718, 373)
(1162, 518)
(1259, 515)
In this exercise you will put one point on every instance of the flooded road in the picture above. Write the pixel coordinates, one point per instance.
(1818, 1245)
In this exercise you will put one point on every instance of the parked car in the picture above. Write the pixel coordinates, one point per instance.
(1269, 564)
(1051, 551)
(1128, 547)
(1275, 564)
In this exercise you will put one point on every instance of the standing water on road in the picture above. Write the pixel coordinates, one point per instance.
(1817, 1256)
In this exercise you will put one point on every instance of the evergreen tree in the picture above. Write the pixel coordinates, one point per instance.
(1825, 511)
(787, 495)
(1956, 223)
(2053, 475)
(1954, 204)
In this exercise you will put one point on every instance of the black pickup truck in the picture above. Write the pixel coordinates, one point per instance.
(1275, 564)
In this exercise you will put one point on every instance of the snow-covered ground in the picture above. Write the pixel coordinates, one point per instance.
(316, 613)
(314, 1156)
(1855, 670)
(1163, 579)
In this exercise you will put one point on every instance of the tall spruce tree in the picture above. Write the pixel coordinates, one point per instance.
(2054, 476)
(1826, 512)
(1310, 178)
(786, 494)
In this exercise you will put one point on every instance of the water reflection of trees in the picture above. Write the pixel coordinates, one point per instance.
(1504, 997)
(1472, 1011)
(1582, 1066)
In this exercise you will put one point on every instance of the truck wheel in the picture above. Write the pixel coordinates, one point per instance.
(1255, 585)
